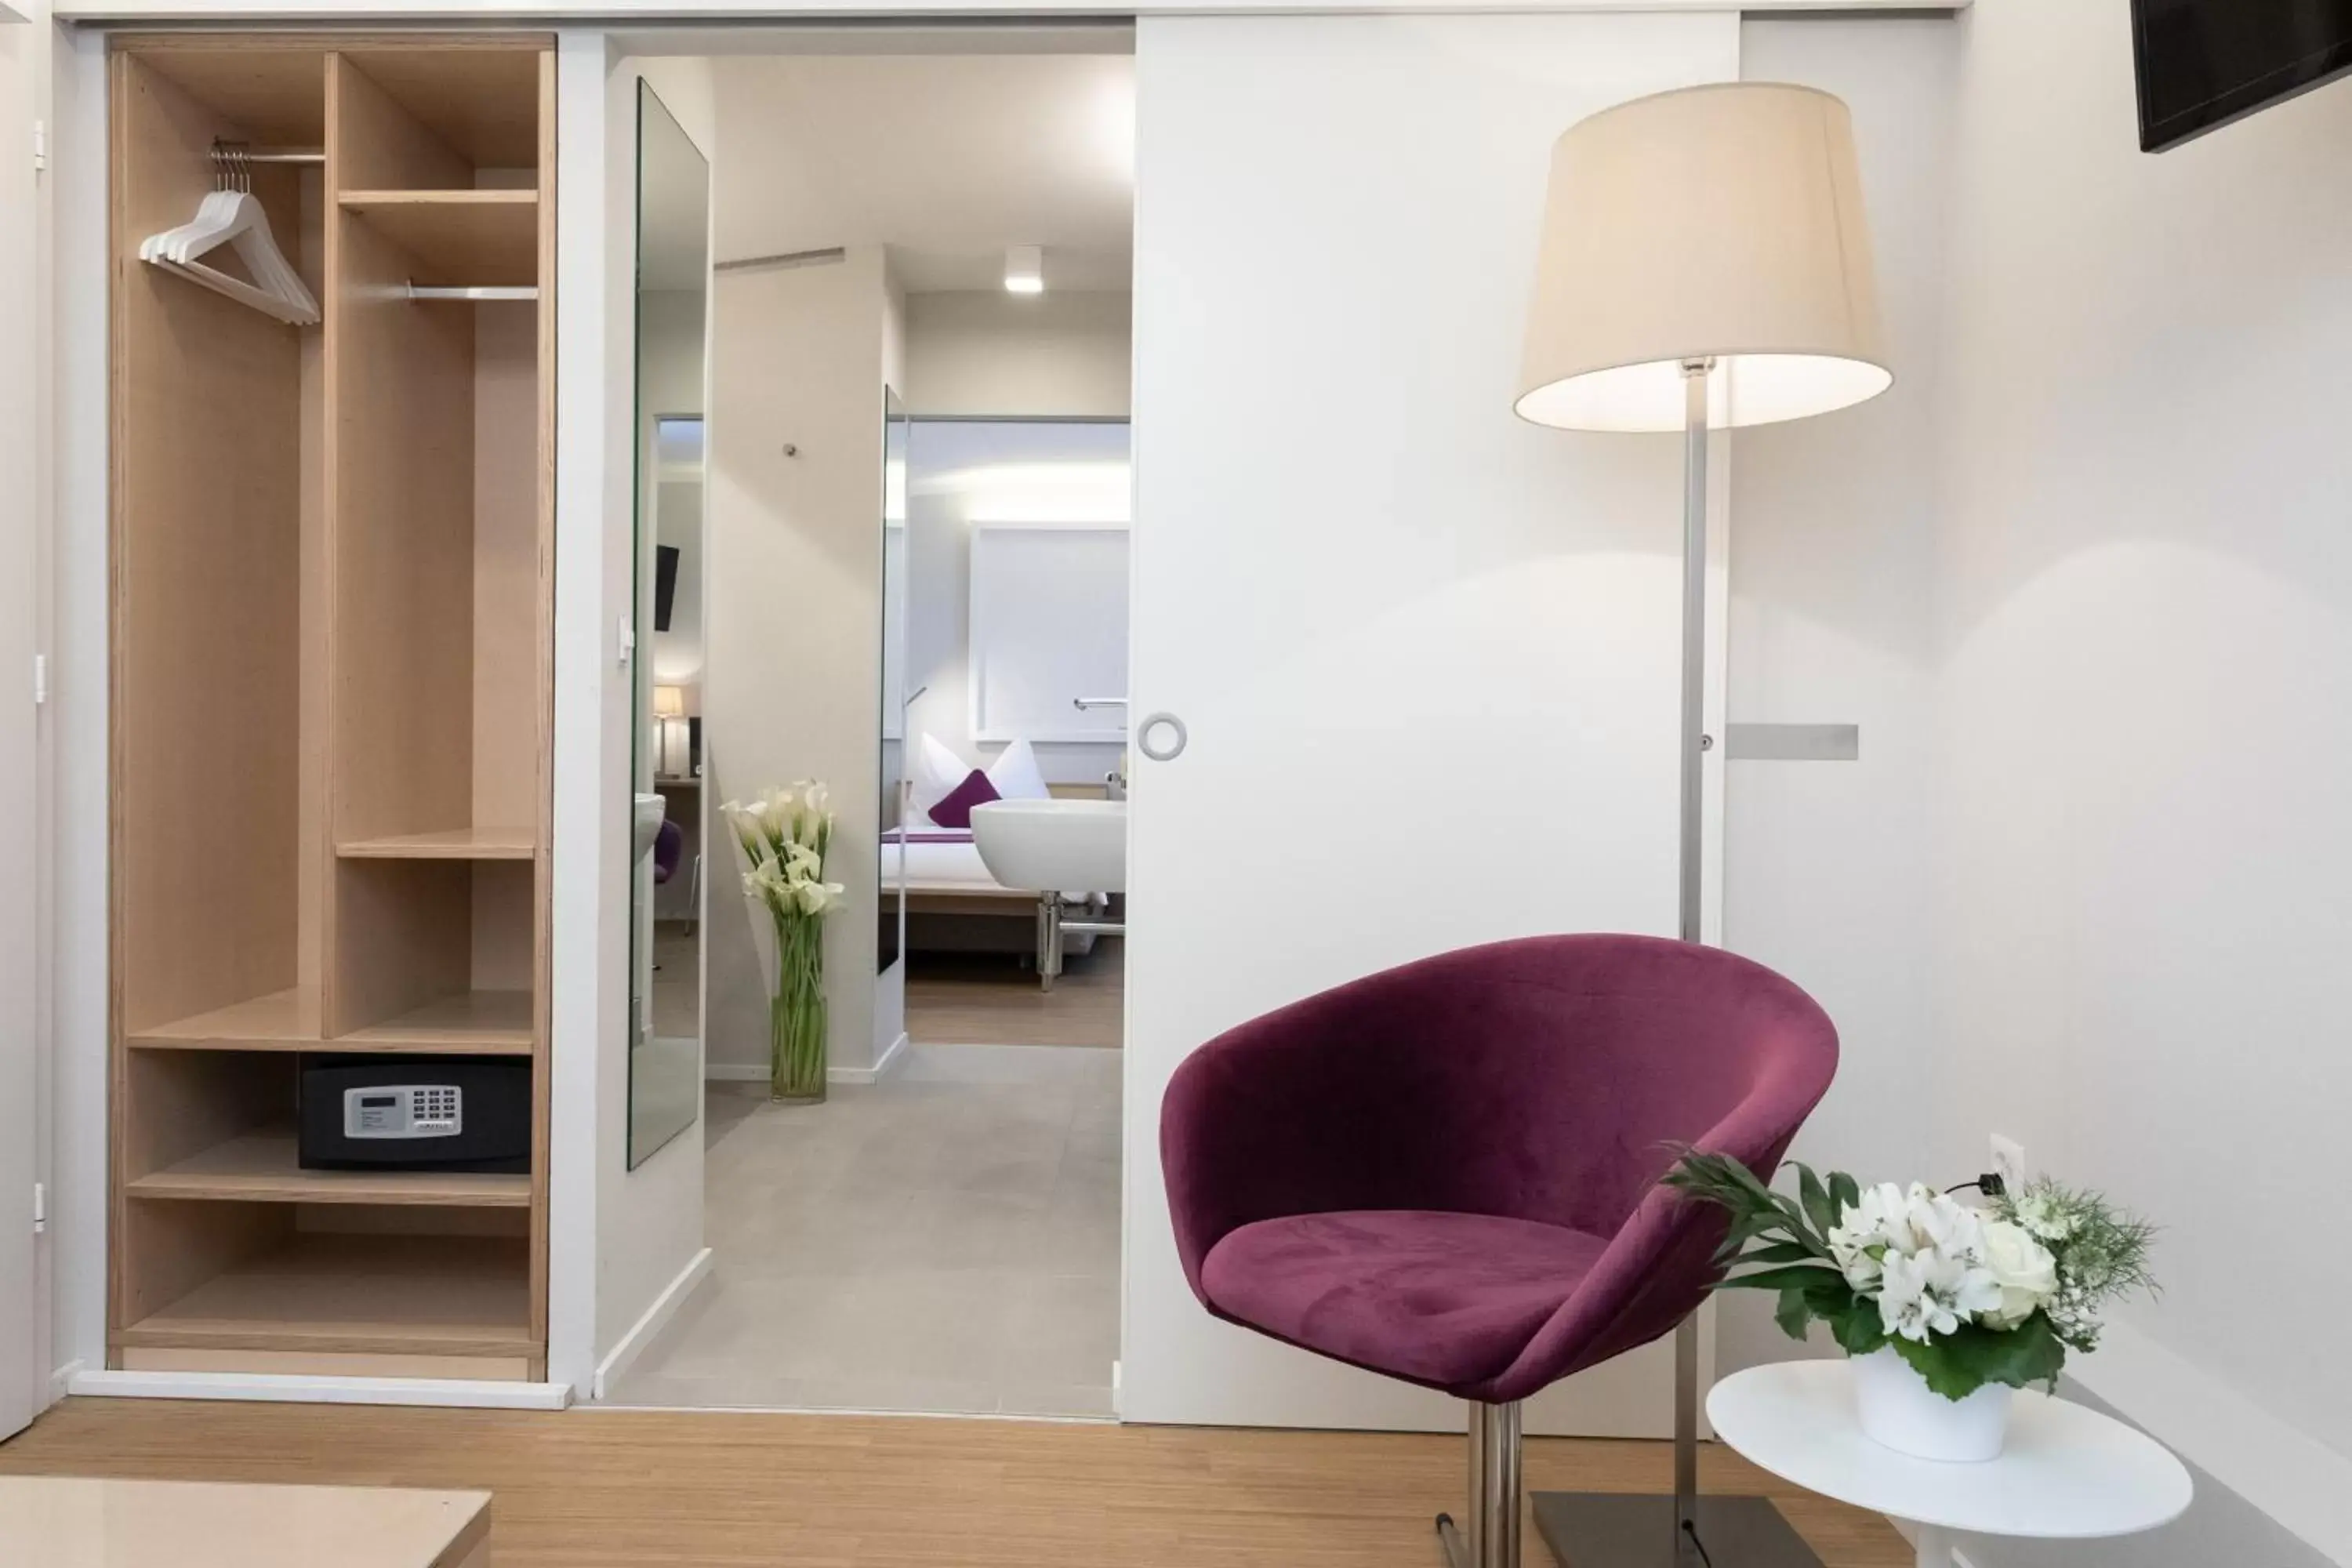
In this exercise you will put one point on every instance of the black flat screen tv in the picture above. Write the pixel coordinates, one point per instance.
(665, 584)
(2204, 63)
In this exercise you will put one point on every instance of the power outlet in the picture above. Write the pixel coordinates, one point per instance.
(2009, 1162)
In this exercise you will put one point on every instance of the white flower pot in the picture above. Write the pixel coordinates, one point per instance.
(1898, 1409)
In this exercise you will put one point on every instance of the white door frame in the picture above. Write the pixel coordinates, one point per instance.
(24, 799)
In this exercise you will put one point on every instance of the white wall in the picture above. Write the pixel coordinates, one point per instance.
(1833, 576)
(2146, 652)
(671, 343)
(795, 628)
(2059, 576)
(963, 474)
(1353, 564)
(1058, 354)
(672, 326)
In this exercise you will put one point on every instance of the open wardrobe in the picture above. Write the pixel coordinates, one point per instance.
(331, 609)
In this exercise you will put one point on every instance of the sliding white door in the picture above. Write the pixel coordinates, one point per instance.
(23, 854)
(1426, 654)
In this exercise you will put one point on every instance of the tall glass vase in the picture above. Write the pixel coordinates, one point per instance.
(797, 1020)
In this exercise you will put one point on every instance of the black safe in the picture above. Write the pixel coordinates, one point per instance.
(418, 1113)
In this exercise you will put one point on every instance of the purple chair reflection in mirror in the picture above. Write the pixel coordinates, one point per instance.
(669, 846)
(1448, 1173)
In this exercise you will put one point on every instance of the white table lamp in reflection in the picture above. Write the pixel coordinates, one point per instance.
(670, 738)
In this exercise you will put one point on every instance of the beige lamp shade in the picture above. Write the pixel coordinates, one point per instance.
(669, 702)
(1721, 223)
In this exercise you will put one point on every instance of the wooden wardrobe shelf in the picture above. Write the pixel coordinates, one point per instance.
(354, 1294)
(451, 844)
(489, 238)
(261, 1167)
(281, 1021)
(473, 1023)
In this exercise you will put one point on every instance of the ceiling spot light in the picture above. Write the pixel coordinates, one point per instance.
(1025, 269)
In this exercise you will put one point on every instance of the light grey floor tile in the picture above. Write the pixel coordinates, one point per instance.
(946, 1241)
(1063, 1331)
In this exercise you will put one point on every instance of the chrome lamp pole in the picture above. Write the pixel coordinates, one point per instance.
(1692, 866)
(1704, 241)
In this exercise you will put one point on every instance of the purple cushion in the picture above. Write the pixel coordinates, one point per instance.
(1444, 1299)
(955, 808)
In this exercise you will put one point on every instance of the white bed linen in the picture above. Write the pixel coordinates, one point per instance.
(932, 867)
(936, 864)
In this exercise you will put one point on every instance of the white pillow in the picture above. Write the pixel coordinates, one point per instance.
(937, 771)
(1016, 776)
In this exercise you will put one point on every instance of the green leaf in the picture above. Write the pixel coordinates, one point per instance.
(1844, 1192)
(1958, 1363)
(1782, 1252)
(1858, 1329)
(1801, 1276)
(1794, 1314)
(1817, 1199)
(1745, 1181)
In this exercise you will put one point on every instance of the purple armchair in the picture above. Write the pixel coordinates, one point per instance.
(669, 845)
(1448, 1173)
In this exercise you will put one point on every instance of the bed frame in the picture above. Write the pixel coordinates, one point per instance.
(982, 920)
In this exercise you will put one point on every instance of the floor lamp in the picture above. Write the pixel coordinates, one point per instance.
(1705, 262)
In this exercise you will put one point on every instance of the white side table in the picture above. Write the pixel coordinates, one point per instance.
(2067, 1473)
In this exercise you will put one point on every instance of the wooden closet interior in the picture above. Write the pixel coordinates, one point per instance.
(331, 617)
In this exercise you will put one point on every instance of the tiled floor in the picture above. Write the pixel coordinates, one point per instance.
(677, 979)
(946, 1240)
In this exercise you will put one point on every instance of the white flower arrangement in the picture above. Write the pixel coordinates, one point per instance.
(785, 837)
(785, 833)
(1968, 1295)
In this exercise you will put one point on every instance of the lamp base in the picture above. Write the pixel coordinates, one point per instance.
(1621, 1530)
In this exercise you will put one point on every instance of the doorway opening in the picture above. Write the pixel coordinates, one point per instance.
(916, 592)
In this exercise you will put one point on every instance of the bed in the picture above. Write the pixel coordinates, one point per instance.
(953, 905)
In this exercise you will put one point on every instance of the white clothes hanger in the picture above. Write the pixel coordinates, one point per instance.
(230, 217)
(231, 214)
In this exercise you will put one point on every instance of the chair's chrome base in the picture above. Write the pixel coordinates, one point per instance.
(1618, 1529)
(1604, 1530)
(1450, 1537)
(1492, 1539)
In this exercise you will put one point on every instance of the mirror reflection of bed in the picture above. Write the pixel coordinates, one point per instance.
(1014, 649)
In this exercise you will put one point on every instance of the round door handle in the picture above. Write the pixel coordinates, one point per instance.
(1167, 752)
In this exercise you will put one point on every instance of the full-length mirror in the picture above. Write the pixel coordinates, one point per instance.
(890, 864)
(667, 833)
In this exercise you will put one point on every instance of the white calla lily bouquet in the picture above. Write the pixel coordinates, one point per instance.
(785, 836)
(1968, 1295)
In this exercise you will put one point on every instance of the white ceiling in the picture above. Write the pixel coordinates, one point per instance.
(945, 159)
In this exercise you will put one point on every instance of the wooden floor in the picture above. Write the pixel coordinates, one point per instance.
(955, 999)
(604, 1488)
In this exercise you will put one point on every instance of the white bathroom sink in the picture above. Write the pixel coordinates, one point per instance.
(1053, 845)
(651, 810)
